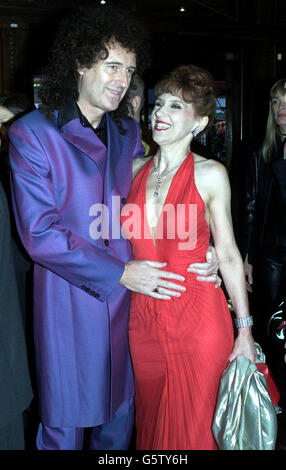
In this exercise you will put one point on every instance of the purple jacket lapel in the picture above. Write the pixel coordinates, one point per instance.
(86, 141)
(114, 154)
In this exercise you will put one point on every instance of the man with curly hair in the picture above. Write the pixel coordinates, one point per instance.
(71, 173)
(66, 157)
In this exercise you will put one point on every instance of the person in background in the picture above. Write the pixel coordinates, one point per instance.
(264, 241)
(132, 105)
(15, 385)
(12, 106)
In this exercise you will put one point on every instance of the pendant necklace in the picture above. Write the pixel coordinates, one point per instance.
(161, 178)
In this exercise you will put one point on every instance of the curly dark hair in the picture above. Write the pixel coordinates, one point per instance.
(195, 85)
(81, 40)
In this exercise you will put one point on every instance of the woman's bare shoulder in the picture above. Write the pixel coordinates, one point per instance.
(137, 165)
(209, 166)
(211, 177)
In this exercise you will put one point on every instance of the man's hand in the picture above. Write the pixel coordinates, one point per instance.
(207, 271)
(146, 277)
(248, 270)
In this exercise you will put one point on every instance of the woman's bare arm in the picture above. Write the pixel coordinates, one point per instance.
(231, 265)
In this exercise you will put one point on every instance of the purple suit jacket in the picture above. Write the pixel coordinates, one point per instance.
(80, 310)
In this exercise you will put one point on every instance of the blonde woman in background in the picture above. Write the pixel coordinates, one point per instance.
(265, 234)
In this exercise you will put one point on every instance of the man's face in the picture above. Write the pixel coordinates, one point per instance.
(102, 87)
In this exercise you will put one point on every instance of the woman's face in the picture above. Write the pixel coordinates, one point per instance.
(279, 110)
(172, 119)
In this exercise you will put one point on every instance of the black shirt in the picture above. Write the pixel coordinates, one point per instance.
(70, 110)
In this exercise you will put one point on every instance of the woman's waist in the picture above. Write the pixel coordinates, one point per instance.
(198, 295)
(178, 266)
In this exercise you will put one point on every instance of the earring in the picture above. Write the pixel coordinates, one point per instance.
(197, 130)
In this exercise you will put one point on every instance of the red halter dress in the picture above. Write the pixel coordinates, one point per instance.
(179, 347)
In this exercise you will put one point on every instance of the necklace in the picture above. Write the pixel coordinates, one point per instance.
(161, 178)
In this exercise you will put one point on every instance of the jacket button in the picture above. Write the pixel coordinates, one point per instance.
(96, 295)
(83, 288)
(123, 200)
(106, 242)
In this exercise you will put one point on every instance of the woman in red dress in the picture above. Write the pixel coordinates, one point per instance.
(181, 346)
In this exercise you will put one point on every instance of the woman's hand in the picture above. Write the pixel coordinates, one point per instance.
(207, 271)
(244, 345)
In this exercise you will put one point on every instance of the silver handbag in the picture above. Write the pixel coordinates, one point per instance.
(245, 417)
